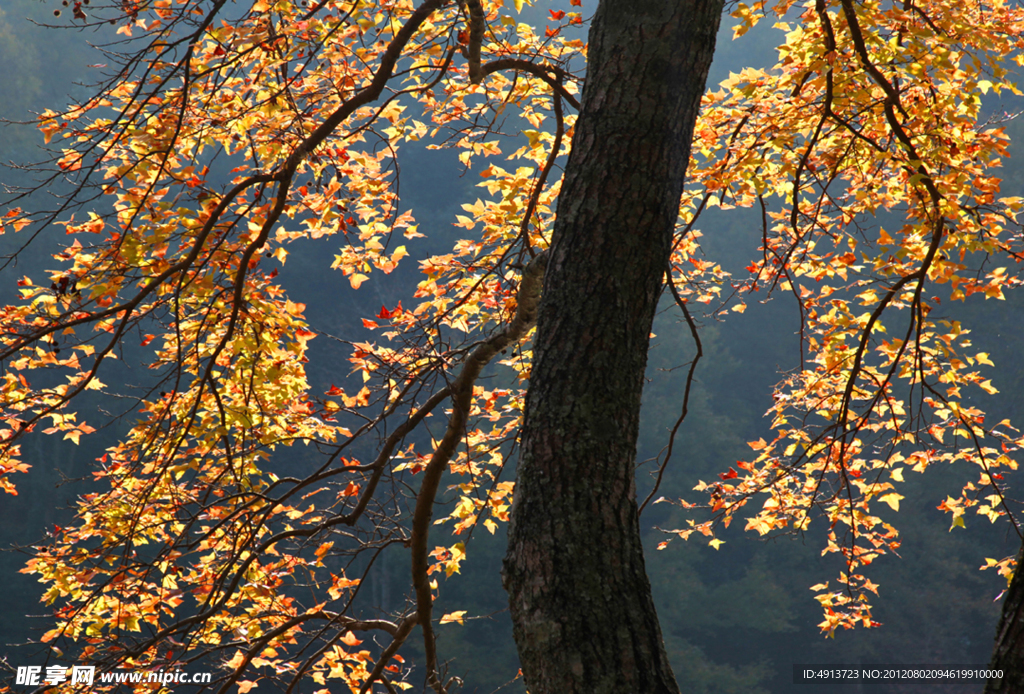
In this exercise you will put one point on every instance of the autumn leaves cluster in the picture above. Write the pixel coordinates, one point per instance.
(220, 142)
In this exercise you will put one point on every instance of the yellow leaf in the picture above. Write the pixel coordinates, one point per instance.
(759, 524)
(893, 499)
(453, 617)
(716, 543)
(236, 661)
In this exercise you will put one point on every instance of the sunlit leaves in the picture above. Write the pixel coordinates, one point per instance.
(217, 149)
(873, 108)
(242, 495)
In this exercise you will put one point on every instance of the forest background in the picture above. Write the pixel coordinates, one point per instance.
(735, 619)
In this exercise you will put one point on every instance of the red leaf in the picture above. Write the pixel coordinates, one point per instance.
(732, 474)
(557, 14)
(385, 313)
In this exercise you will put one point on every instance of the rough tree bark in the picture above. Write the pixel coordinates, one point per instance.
(1008, 654)
(580, 599)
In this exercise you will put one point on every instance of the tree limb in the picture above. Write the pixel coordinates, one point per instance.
(462, 393)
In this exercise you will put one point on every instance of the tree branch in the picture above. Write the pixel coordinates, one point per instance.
(476, 39)
(541, 71)
(462, 392)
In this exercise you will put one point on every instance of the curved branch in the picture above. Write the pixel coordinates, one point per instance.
(681, 302)
(398, 637)
(544, 72)
(462, 392)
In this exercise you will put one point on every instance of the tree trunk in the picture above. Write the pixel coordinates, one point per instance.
(581, 605)
(1008, 654)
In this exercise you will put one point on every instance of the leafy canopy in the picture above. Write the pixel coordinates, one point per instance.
(872, 117)
(223, 135)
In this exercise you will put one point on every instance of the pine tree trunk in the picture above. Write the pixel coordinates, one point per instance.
(580, 599)
(1008, 654)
